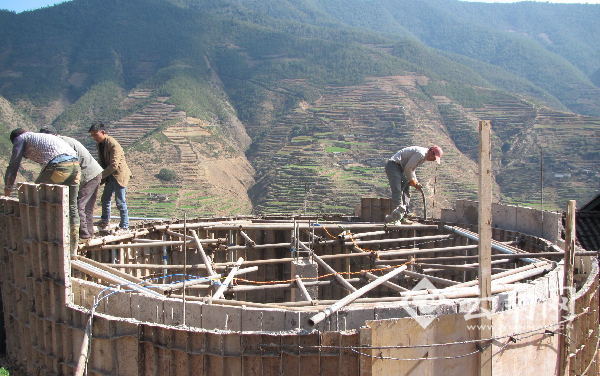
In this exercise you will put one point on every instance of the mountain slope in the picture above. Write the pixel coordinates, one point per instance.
(294, 106)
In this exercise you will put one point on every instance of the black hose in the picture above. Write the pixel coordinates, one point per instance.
(424, 205)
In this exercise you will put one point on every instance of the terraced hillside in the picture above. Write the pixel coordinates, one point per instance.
(524, 134)
(324, 156)
(135, 126)
(211, 176)
(569, 146)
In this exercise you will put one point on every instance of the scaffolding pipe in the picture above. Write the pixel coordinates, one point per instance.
(225, 284)
(353, 296)
(205, 259)
(249, 242)
(109, 277)
(388, 284)
(303, 289)
(329, 269)
(495, 245)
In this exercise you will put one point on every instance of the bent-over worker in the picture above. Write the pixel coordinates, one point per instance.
(400, 170)
(91, 173)
(60, 162)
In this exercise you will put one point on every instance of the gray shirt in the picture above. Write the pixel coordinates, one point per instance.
(90, 168)
(410, 158)
(38, 147)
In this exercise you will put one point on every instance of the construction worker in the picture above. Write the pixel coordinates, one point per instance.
(115, 176)
(60, 166)
(91, 173)
(400, 170)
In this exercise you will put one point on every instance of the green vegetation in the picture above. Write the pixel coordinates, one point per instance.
(100, 102)
(336, 149)
(299, 76)
(166, 174)
(60, 52)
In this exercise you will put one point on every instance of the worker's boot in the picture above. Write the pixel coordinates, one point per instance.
(406, 221)
(396, 215)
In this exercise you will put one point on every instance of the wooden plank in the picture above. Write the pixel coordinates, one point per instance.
(251, 358)
(365, 209)
(376, 213)
(349, 362)
(197, 348)
(309, 357)
(232, 348)
(386, 207)
(365, 361)
(290, 356)
(485, 245)
(214, 358)
(270, 354)
(330, 357)
(566, 344)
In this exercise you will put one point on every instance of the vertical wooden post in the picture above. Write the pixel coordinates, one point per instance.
(485, 247)
(185, 276)
(568, 289)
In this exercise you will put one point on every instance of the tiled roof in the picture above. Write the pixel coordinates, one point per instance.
(588, 230)
(588, 225)
(593, 205)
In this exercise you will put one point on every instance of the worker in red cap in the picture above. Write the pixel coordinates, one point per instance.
(400, 170)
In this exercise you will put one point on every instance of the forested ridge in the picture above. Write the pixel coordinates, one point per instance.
(275, 82)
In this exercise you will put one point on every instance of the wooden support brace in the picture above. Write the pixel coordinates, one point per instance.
(116, 272)
(353, 296)
(362, 235)
(566, 343)
(399, 240)
(190, 283)
(249, 242)
(442, 281)
(219, 293)
(203, 241)
(303, 289)
(388, 284)
(104, 275)
(328, 268)
(485, 246)
(207, 261)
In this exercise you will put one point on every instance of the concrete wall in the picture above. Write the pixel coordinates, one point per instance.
(543, 224)
(46, 312)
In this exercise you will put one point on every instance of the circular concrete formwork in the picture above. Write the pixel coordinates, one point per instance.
(134, 329)
(426, 296)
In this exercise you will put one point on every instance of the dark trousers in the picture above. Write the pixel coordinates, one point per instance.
(86, 200)
(2, 330)
(398, 184)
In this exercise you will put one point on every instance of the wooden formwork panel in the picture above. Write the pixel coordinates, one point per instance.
(50, 333)
(586, 334)
(374, 209)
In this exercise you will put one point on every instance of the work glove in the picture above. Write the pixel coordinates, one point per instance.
(416, 184)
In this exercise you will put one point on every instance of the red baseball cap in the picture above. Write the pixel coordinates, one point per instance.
(437, 151)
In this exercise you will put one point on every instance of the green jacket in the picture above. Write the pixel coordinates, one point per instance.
(112, 159)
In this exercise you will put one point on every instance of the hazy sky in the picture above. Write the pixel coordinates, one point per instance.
(21, 5)
(540, 1)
